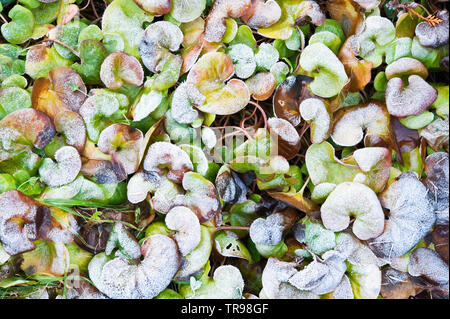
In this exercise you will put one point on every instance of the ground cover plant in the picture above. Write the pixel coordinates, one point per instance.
(224, 149)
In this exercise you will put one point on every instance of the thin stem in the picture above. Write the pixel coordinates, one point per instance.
(95, 11)
(247, 118)
(236, 128)
(262, 112)
(303, 131)
(96, 20)
(89, 2)
(3, 18)
(64, 45)
(229, 228)
(228, 135)
(423, 7)
(233, 228)
(364, 95)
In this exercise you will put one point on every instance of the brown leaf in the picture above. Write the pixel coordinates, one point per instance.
(396, 285)
(359, 71)
(440, 241)
(297, 200)
(347, 13)
(288, 97)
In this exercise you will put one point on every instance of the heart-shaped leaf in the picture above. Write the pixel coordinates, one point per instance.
(293, 12)
(350, 123)
(409, 99)
(20, 28)
(262, 14)
(119, 68)
(226, 283)
(216, 26)
(187, 228)
(326, 69)
(64, 171)
(408, 223)
(356, 200)
(159, 39)
(117, 278)
(209, 75)
(125, 19)
(92, 54)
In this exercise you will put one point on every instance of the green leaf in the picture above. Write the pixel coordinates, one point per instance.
(10, 66)
(276, 251)
(91, 32)
(7, 183)
(332, 26)
(20, 28)
(13, 99)
(291, 10)
(198, 258)
(79, 258)
(92, 54)
(229, 246)
(328, 38)
(324, 167)
(46, 12)
(442, 102)
(11, 50)
(14, 281)
(328, 71)
(428, 56)
(15, 80)
(68, 34)
(317, 237)
(399, 48)
(416, 122)
(31, 187)
(126, 19)
(245, 36)
(40, 60)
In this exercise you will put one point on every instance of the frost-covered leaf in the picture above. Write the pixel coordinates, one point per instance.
(434, 35)
(20, 28)
(155, 48)
(124, 144)
(262, 14)
(321, 277)
(411, 217)
(437, 181)
(350, 124)
(119, 68)
(358, 201)
(18, 238)
(326, 69)
(187, 228)
(243, 60)
(13, 99)
(315, 112)
(125, 19)
(226, 283)
(64, 171)
(216, 26)
(409, 99)
(41, 60)
(117, 278)
(376, 34)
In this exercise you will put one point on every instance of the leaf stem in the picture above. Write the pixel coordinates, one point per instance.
(64, 45)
